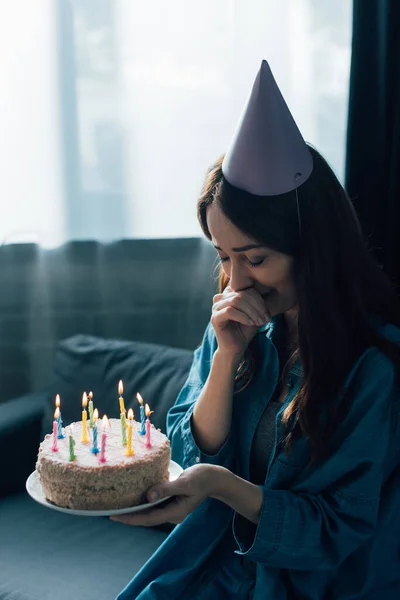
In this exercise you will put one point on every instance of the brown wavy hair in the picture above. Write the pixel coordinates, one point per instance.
(341, 290)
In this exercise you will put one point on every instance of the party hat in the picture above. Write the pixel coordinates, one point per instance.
(267, 155)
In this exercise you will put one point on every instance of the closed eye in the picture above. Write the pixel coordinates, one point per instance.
(224, 259)
(258, 263)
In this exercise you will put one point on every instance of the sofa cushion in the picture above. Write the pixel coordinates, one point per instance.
(48, 555)
(148, 290)
(20, 434)
(85, 363)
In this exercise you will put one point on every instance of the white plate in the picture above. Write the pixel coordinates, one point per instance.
(35, 490)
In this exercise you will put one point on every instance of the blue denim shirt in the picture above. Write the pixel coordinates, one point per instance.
(330, 530)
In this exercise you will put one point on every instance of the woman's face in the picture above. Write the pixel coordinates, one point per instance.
(251, 265)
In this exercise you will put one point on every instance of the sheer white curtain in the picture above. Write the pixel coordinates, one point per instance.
(112, 111)
(31, 188)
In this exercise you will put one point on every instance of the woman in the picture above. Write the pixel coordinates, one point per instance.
(288, 425)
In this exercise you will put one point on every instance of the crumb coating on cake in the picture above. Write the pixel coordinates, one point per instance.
(88, 484)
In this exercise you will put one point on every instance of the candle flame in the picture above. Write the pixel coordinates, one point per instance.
(95, 414)
(148, 411)
(58, 400)
(139, 397)
(130, 414)
(120, 388)
(90, 394)
(57, 413)
(105, 422)
(84, 400)
(71, 429)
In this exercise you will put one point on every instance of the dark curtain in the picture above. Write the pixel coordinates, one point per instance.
(373, 138)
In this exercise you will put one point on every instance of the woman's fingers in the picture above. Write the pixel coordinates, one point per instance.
(252, 296)
(166, 488)
(245, 297)
(228, 313)
(254, 299)
(241, 303)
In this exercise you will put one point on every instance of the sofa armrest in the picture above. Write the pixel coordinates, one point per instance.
(20, 436)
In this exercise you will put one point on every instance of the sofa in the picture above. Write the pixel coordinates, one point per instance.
(81, 317)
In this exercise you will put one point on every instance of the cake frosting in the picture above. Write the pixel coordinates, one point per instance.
(88, 484)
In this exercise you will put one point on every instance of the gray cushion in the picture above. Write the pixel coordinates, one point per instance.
(157, 291)
(50, 555)
(89, 363)
(20, 419)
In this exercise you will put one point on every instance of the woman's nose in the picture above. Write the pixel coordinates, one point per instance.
(239, 280)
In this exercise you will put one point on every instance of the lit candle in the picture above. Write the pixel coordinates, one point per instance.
(60, 434)
(84, 437)
(129, 450)
(142, 430)
(71, 443)
(55, 428)
(95, 449)
(91, 409)
(148, 426)
(104, 440)
(121, 400)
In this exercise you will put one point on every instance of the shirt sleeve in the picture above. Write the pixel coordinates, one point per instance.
(184, 448)
(301, 530)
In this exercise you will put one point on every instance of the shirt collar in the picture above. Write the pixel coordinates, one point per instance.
(274, 328)
(273, 331)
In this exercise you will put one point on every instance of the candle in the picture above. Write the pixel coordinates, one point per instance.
(95, 449)
(148, 426)
(55, 428)
(123, 428)
(121, 400)
(129, 450)
(91, 409)
(71, 443)
(104, 440)
(142, 430)
(60, 434)
(84, 437)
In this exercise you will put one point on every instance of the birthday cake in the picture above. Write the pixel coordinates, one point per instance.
(108, 478)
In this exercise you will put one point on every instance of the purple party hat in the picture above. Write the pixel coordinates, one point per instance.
(267, 155)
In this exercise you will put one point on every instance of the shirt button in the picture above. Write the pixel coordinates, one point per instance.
(197, 459)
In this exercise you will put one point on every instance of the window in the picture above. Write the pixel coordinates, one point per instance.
(116, 108)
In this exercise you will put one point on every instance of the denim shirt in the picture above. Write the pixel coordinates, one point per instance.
(332, 529)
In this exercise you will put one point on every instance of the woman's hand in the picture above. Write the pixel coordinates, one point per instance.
(193, 486)
(236, 317)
